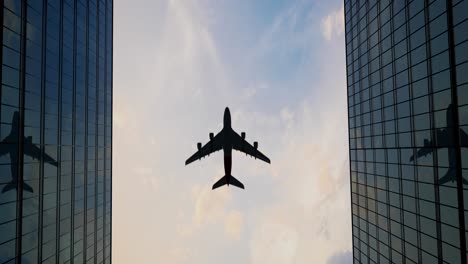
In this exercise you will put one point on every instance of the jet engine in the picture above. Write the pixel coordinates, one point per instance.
(243, 135)
(255, 144)
(211, 136)
(199, 145)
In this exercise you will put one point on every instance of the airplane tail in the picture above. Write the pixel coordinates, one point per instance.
(14, 185)
(229, 180)
(449, 176)
(10, 186)
(27, 188)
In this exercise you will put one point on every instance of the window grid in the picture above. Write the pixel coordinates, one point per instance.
(46, 101)
(399, 99)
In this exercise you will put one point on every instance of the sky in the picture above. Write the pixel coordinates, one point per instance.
(280, 68)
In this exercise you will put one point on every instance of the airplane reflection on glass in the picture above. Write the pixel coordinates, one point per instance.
(443, 139)
(227, 139)
(9, 146)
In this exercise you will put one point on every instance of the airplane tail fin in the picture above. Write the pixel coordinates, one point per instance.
(449, 176)
(9, 186)
(14, 185)
(28, 188)
(228, 179)
(235, 182)
(465, 181)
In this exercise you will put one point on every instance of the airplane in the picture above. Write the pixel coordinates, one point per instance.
(442, 138)
(9, 146)
(227, 139)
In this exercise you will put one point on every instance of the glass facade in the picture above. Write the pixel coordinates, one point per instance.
(56, 131)
(407, 78)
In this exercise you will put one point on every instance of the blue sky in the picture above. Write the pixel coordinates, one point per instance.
(280, 67)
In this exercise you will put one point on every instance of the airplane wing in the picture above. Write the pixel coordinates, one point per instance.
(50, 160)
(449, 176)
(240, 144)
(421, 152)
(35, 152)
(213, 145)
(6, 145)
(424, 150)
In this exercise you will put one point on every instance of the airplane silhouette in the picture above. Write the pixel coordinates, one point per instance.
(442, 138)
(227, 139)
(9, 146)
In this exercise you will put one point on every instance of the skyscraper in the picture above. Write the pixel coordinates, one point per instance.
(407, 75)
(56, 131)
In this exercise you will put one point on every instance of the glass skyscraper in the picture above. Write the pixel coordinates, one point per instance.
(407, 78)
(56, 131)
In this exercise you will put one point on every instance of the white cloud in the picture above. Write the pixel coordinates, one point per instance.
(171, 86)
(152, 181)
(234, 224)
(333, 24)
(341, 257)
(179, 255)
(309, 163)
(143, 170)
(312, 171)
(162, 76)
(286, 115)
(210, 206)
(327, 27)
(274, 243)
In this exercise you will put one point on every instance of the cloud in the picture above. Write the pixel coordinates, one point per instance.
(314, 203)
(274, 243)
(234, 224)
(310, 164)
(165, 66)
(179, 255)
(143, 170)
(151, 181)
(210, 206)
(171, 85)
(333, 24)
(342, 257)
(286, 115)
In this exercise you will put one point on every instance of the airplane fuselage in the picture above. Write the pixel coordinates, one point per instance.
(227, 148)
